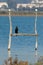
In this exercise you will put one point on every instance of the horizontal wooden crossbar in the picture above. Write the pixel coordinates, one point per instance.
(23, 34)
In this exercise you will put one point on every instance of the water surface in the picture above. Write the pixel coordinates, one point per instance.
(22, 46)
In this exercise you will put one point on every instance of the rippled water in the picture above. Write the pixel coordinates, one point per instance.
(22, 46)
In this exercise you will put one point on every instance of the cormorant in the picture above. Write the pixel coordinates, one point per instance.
(16, 30)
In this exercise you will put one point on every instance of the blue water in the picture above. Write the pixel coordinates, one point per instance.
(22, 46)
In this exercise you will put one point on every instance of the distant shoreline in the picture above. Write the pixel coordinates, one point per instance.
(21, 14)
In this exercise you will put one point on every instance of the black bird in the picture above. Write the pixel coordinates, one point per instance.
(16, 30)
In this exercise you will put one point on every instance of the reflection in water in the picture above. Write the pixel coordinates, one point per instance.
(9, 53)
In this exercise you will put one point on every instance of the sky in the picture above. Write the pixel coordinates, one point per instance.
(14, 2)
(2, 0)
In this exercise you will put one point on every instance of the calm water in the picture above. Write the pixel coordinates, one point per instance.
(22, 46)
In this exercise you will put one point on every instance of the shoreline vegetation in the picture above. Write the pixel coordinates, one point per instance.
(3, 13)
(11, 61)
